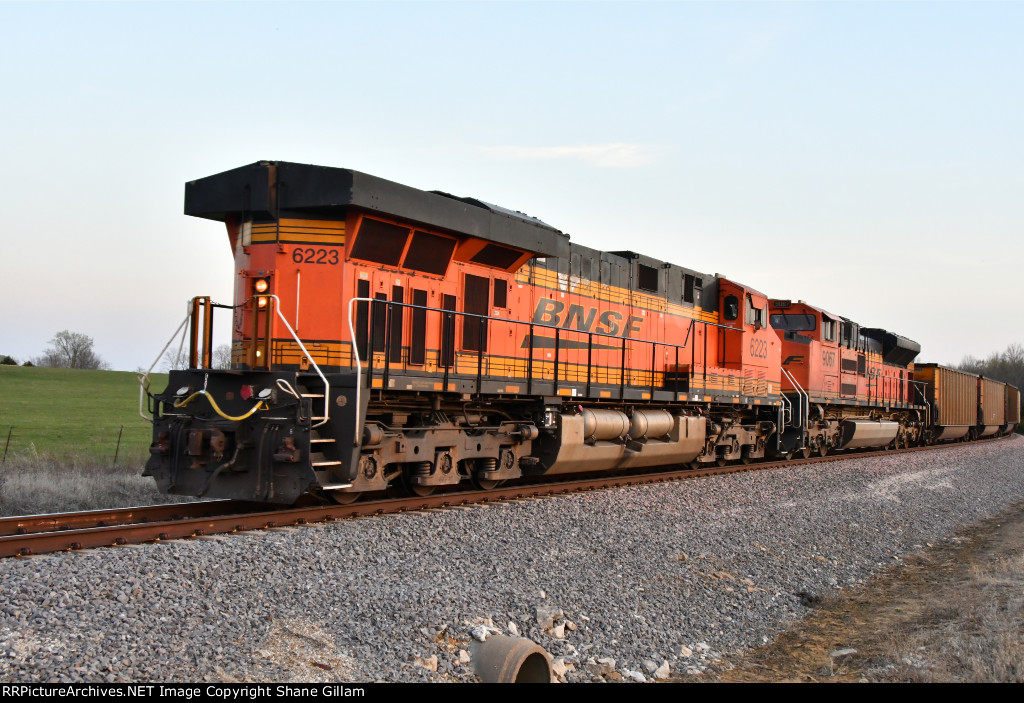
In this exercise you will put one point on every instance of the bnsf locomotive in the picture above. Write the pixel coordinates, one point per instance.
(386, 336)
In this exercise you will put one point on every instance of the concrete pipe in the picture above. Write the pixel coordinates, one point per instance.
(501, 659)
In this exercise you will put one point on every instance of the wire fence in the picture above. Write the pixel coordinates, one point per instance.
(102, 445)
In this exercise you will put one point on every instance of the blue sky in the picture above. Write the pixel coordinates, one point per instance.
(865, 157)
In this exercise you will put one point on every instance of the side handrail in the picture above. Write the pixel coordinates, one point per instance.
(316, 367)
(359, 370)
(531, 326)
(144, 375)
(804, 406)
(787, 409)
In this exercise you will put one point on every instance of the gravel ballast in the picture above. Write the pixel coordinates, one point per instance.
(623, 581)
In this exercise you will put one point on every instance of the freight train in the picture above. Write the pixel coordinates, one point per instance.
(388, 337)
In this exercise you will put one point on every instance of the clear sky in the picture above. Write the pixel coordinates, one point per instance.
(865, 157)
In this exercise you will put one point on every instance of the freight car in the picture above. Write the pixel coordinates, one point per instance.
(966, 406)
(384, 336)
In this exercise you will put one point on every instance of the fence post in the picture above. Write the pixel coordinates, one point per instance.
(119, 432)
(8, 444)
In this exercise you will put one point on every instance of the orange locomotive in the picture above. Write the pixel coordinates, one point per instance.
(852, 386)
(385, 335)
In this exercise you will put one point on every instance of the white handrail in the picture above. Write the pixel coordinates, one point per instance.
(327, 385)
(359, 370)
(144, 377)
(805, 406)
(787, 408)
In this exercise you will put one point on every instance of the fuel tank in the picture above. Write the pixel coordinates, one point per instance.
(867, 433)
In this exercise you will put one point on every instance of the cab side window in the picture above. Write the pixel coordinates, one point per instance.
(755, 315)
(732, 307)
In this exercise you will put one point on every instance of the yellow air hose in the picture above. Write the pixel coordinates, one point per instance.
(261, 405)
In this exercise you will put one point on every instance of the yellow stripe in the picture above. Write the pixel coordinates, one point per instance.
(326, 231)
(613, 294)
(338, 225)
(334, 239)
(323, 225)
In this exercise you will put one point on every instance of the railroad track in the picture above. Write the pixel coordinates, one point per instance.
(41, 534)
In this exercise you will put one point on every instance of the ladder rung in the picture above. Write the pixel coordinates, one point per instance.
(312, 395)
(326, 463)
(321, 441)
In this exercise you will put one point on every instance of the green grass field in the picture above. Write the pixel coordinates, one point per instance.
(64, 413)
(65, 427)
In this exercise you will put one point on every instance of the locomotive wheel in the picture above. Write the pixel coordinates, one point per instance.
(418, 469)
(487, 484)
(721, 462)
(343, 497)
(823, 450)
(693, 465)
(416, 490)
(806, 452)
(421, 491)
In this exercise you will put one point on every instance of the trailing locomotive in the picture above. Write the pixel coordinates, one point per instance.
(385, 335)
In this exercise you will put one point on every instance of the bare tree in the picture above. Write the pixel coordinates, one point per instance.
(175, 359)
(1007, 366)
(1014, 354)
(71, 350)
(222, 357)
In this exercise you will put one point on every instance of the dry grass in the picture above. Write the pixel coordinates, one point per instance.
(34, 484)
(975, 634)
(952, 613)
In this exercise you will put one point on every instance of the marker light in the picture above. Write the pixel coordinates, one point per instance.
(261, 301)
(261, 285)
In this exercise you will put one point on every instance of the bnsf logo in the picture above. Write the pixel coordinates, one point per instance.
(549, 312)
(828, 358)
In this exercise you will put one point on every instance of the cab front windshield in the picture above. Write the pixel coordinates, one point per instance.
(794, 321)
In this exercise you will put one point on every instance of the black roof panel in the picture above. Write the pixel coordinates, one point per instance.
(268, 189)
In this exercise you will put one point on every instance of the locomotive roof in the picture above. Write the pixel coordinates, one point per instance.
(270, 189)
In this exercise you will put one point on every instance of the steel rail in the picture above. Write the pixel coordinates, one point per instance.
(84, 537)
(107, 517)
